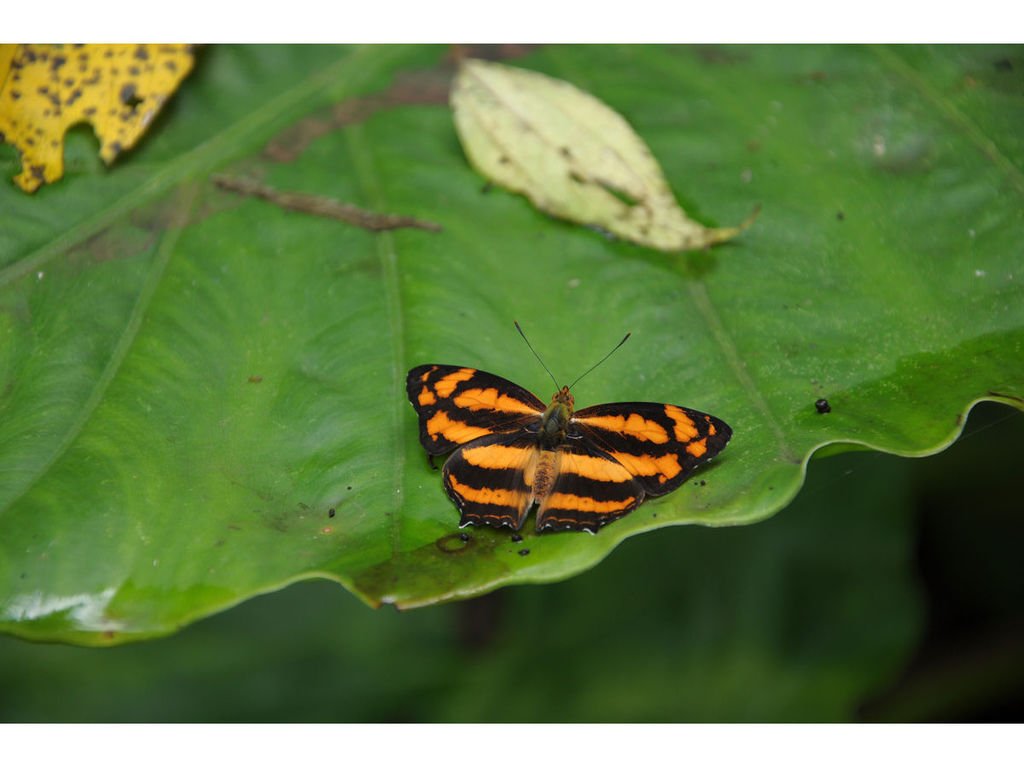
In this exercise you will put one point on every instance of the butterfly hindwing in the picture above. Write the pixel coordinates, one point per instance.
(457, 405)
(659, 444)
(487, 480)
(591, 490)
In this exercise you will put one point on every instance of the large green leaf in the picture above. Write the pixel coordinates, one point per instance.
(192, 381)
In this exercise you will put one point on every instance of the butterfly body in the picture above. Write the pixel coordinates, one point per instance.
(578, 469)
(555, 421)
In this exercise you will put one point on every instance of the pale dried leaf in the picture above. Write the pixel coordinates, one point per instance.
(571, 155)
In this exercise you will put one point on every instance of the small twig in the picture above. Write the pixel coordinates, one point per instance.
(323, 206)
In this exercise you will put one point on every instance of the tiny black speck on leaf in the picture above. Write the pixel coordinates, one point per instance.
(524, 552)
(348, 487)
(516, 538)
(330, 512)
(840, 216)
(464, 536)
(822, 406)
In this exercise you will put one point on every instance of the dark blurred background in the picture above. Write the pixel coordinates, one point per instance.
(890, 590)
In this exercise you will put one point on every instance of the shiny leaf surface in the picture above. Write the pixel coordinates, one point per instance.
(203, 395)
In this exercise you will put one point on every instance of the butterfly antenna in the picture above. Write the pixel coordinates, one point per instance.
(518, 328)
(624, 339)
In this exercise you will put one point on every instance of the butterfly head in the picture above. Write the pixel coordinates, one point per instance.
(564, 398)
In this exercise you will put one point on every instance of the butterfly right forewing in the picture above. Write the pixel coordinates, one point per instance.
(659, 443)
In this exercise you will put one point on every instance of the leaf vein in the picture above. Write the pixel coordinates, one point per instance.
(184, 208)
(702, 300)
(954, 115)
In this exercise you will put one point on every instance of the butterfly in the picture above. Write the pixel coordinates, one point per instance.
(579, 469)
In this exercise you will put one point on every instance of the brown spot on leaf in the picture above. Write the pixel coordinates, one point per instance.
(453, 543)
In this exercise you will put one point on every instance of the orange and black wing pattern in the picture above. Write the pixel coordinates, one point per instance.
(491, 424)
(579, 471)
(491, 480)
(591, 490)
(617, 454)
(660, 445)
(457, 405)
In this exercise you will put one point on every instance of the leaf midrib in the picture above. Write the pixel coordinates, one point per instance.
(384, 244)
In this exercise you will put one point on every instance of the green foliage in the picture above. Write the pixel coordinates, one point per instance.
(190, 381)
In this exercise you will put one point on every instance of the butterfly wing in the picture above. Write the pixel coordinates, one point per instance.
(591, 489)
(490, 480)
(457, 405)
(660, 445)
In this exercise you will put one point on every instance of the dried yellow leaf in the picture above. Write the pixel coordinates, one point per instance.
(571, 155)
(45, 89)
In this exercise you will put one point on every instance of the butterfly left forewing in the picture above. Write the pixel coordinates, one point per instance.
(457, 405)
(659, 444)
